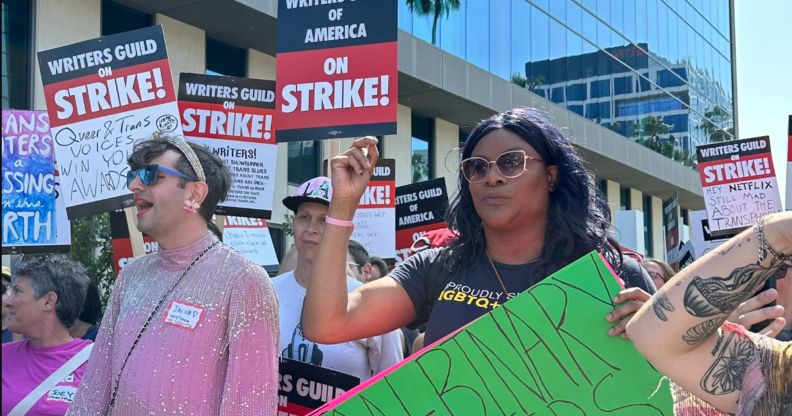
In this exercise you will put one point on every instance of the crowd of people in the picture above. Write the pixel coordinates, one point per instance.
(196, 328)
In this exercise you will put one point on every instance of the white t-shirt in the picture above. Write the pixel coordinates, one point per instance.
(361, 358)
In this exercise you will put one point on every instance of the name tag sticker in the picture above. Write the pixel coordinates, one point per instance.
(62, 394)
(183, 315)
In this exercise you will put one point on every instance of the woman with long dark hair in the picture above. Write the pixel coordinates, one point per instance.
(526, 207)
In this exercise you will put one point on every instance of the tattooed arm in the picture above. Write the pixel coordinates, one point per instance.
(679, 329)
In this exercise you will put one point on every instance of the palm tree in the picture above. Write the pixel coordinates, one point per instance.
(436, 7)
(713, 125)
(648, 132)
(420, 169)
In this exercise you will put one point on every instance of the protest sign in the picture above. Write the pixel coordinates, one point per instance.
(420, 207)
(303, 387)
(122, 243)
(233, 118)
(671, 224)
(337, 69)
(376, 213)
(102, 95)
(687, 255)
(545, 352)
(34, 214)
(251, 238)
(701, 235)
(739, 182)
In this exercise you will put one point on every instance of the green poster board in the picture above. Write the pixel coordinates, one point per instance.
(545, 352)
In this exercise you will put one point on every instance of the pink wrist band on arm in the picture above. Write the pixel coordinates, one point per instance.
(340, 223)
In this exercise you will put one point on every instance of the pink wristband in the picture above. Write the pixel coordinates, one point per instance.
(340, 223)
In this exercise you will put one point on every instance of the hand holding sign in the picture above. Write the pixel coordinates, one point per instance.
(352, 170)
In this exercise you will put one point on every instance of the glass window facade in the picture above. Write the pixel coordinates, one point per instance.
(303, 162)
(648, 58)
(17, 49)
(422, 160)
(225, 59)
(117, 18)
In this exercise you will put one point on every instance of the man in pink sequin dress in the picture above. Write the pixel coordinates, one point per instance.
(193, 328)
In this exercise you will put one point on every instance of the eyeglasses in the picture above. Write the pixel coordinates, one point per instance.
(510, 164)
(148, 174)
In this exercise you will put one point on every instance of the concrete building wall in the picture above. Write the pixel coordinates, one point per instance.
(76, 21)
(658, 234)
(636, 200)
(399, 146)
(262, 66)
(446, 143)
(186, 47)
(614, 197)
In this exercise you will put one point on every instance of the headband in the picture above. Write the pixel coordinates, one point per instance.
(187, 151)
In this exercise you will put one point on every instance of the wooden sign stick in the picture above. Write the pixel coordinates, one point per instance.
(135, 236)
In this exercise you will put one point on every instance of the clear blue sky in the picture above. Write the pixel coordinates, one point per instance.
(764, 74)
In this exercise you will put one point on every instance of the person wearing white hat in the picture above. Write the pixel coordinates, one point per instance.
(361, 358)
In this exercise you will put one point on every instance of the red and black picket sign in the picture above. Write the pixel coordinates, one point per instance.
(337, 69)
(304, 387)
(420, 207)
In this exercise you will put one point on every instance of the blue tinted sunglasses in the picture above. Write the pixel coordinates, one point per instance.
(148, 174)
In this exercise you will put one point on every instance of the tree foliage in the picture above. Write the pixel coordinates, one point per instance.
(436, 8)
(714, 125)
(91, 245)
(420, 168)
(650, 132)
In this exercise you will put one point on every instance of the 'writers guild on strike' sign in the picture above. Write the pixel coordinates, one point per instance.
(337, 69)
(739, 182)
(102, 96)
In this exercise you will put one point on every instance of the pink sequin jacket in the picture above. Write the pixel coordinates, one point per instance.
(210, 349)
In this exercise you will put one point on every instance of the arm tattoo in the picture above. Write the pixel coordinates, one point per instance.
(732, 357)
(660, 304)
(700, 332)
(721, 295)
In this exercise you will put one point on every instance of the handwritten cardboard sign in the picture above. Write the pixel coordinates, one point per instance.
(337, 69)
(251, 238)
(545, 352)
(34, 215)
(739, 182)
(304, 387)
(102, 96)
(233, 118)
(420, 207)
(376, 212)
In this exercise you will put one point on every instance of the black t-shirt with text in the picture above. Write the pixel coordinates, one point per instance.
(447, 301)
